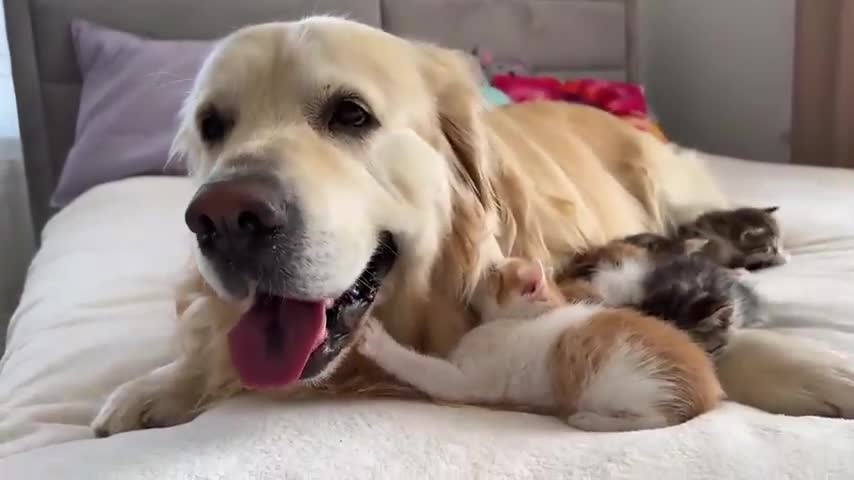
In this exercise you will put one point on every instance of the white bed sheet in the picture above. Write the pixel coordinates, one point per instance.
(97, 311)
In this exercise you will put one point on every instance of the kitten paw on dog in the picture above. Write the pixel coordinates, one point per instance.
(373, 338)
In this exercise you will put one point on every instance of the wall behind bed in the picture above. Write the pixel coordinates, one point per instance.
(8, 114)
(568, 37)
(719, 73)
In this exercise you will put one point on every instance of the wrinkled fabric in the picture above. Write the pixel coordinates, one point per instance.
(97, 311)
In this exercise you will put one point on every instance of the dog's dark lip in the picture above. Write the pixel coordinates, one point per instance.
(352, 303)
(342, 313)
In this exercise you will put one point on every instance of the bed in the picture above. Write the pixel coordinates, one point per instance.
(97, 308)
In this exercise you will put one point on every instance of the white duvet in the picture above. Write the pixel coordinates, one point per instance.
(97, 311)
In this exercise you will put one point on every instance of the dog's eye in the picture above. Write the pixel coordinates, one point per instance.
(213, 125)
(348, 115)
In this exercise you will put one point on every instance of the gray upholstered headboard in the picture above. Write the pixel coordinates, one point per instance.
(564, 37)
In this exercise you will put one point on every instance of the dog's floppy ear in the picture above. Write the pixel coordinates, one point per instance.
(459, 104)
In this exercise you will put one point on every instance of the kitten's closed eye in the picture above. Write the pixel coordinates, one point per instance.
(753, 233)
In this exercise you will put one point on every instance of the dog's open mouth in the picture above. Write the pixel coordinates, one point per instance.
(281, 340)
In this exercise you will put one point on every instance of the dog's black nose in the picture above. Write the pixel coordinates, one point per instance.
(236, 214)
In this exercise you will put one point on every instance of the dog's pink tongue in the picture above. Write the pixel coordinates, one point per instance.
(272, 342)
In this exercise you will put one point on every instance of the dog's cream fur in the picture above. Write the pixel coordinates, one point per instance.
(458, 186)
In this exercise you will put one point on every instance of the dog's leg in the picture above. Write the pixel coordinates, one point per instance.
(785, 374)
(179, 391)
(169, 395)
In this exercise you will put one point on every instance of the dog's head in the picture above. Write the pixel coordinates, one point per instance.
(332, 160)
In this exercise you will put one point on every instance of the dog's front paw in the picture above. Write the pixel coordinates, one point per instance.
(149, 401)
(826, 392)
(838, 391)
(126, 409)
(786, 374)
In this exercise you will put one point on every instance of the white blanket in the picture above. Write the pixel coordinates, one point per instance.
(97, 311)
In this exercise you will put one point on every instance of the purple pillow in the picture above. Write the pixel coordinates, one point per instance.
(132, 90)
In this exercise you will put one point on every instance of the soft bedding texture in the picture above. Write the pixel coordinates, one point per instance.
(97, 311)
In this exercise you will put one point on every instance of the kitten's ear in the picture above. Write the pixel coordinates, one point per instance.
(532, 280)
(770, 209)
(722, 317)
(694, 245)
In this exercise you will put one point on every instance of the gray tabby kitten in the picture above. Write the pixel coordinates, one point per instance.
(702, 298)
(742, 238)
(670, 280)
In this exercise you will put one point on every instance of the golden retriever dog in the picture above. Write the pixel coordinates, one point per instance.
(339, 166)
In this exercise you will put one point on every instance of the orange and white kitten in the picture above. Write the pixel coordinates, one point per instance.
(601, 369)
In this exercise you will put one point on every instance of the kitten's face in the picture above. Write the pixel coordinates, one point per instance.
(694, 295)
(516, 288)
(753, 231)
(715, 325)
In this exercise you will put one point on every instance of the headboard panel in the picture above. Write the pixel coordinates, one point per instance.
(562, 37)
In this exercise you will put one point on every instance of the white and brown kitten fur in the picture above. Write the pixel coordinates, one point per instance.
(669, 279)
(599, 368)
(742, 238)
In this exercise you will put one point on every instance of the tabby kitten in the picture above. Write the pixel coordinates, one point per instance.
(691, 291)
(702, 298)
(742, 238)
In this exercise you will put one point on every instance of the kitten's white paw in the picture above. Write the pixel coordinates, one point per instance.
(374, 338)
(741, 273)
(785, 374)
(146, 402)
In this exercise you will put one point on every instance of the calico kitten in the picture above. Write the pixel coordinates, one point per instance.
(601, 369)
(642, 245)
(693, 292)
(671, 279)
(742, 238)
